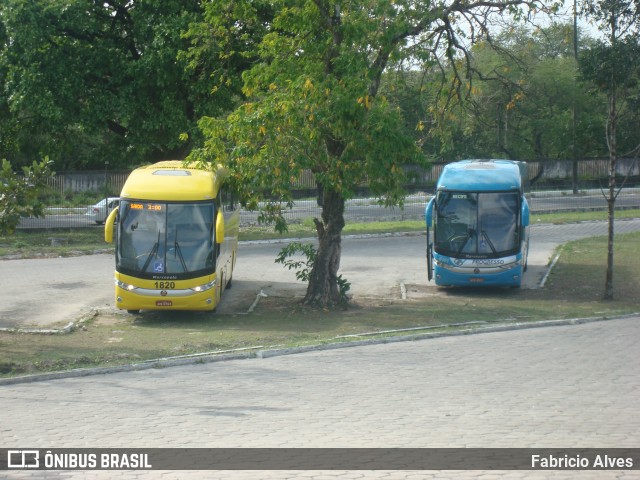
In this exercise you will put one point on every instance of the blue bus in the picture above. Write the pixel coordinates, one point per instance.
(480, 221)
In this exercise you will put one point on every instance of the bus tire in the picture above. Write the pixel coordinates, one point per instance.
(229, 283)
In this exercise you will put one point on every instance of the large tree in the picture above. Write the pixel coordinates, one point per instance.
(614, 66)
(527, 94)
(314, 102)
(520, 106)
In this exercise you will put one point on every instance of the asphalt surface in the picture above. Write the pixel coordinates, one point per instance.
(48, 293)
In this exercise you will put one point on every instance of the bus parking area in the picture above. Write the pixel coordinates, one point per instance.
(43, 293)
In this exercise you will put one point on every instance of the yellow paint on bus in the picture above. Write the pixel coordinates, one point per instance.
(176, 236)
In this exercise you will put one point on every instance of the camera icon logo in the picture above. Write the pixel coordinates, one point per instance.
(23, 458)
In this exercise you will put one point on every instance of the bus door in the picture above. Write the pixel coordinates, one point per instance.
(429, 218)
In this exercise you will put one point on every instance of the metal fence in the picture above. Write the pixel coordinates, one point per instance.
(550, 190)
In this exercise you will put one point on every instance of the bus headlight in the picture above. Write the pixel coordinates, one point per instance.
(440, 264)
(205, 287)
(125, 286)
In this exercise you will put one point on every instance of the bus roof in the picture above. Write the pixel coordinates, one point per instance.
(481, 176)
(171, 180)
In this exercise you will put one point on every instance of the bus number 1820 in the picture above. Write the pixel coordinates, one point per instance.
(166, 285)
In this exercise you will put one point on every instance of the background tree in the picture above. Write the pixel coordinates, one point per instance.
(314, 102)
(19, 193)
(520, 105)
(614, 66)
(84, 82)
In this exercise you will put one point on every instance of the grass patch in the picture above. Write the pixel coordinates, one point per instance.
(306, 229)
(574, 289)
(581, 269)
(54, 242)
(574, 217)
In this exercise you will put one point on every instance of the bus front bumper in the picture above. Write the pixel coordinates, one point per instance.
(448, 275)
(200, 298)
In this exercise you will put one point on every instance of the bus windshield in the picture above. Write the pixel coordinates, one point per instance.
(477, 225)
(157, 239)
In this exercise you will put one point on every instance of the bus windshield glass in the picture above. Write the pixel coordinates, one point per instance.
(477, 225)
(157, 239)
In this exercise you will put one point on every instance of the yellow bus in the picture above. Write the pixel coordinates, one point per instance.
(176, 235)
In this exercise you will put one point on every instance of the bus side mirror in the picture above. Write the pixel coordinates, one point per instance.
(108, 225)
(428, 212)
(525, 213)
(219, 228)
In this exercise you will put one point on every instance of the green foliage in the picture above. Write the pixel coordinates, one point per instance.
(85, 82)
(222, 43)
(311, 105)
(304, 266)
(19, 193)
(617, 19)
(519, 102)
(613, 65)
(615, 70)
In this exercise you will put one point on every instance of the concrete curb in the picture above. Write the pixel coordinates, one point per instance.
(351, 236)
(258, 352)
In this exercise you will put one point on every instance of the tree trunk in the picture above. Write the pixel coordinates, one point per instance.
(611, 134)
(608, 286)
(323, 289)
(611, 199)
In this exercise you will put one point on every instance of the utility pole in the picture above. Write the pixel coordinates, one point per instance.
(106, 190)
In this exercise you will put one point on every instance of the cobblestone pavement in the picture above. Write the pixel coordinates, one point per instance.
(561, 387)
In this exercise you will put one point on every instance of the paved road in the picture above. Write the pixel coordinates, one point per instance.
(364, 209)
(561, 387)
(55, 291)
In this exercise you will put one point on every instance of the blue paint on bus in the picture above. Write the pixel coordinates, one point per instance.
(480, 222)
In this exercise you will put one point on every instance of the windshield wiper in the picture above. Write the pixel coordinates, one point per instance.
(467, 237)
(153, 252)
(486, 237)
(178, 251)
